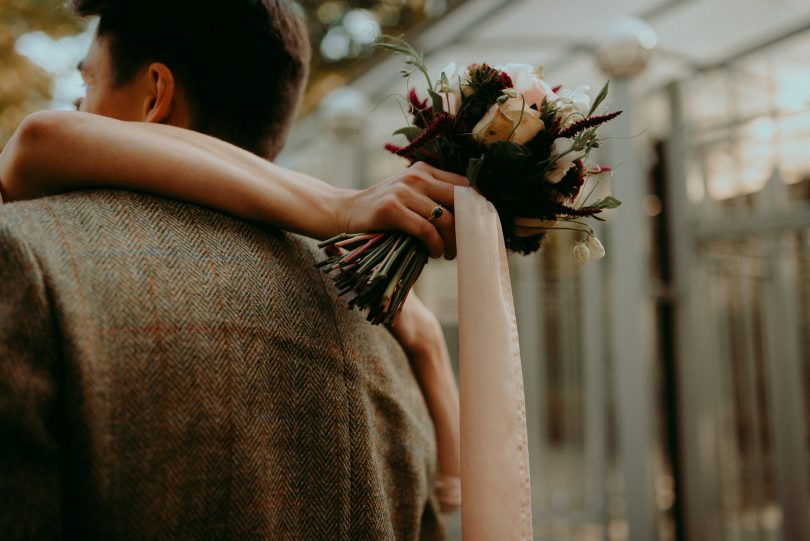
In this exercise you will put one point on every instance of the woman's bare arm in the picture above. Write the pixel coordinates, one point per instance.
(421, 336)
(54, 152)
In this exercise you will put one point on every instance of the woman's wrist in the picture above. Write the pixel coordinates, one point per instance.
(341, 200)
(300, 203)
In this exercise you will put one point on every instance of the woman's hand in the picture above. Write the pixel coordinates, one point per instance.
(404, 202)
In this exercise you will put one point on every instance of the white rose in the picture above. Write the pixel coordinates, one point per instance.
(520, 74)
(450, 70)
(537, 92)
(579, 98)
(456, 77)
(455, 73)
(526, 81)
(500, 121)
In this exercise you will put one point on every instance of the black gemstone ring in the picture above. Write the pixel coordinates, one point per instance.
(436, 213)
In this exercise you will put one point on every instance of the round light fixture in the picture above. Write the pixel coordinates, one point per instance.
(625, 47)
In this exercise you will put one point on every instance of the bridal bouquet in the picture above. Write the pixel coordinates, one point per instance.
(522, 144)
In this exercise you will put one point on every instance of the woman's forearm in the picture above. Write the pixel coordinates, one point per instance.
(431, 362)
(441, 396)
(54, 152)
(422, 338)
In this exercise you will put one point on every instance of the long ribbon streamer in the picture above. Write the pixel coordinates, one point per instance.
(495, 482)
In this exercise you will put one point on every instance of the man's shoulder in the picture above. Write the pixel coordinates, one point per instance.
(99, 218)
(108, 210)
(106, 241)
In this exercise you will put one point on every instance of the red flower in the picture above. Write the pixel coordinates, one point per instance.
(587, 123)
(506, 81)
(441, 125)
(392, 148)
(421, 111)
(416, 104)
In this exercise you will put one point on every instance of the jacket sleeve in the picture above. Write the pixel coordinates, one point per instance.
(30, 488)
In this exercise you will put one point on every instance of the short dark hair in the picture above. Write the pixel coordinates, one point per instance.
(242, 63)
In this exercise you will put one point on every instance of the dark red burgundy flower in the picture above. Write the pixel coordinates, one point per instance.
(394, 149)
(420, 110)
(506, 81)
(441, 125)
(415, 103)
(589, 122)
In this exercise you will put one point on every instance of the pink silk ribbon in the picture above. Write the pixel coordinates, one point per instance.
(495, 482)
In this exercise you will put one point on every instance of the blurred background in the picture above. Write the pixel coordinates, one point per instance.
(668, 385)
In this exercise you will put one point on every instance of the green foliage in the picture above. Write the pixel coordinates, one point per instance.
(410, 132)
(599, 98)
(413, 59)
(436, 101)
(608, 202)
(474, 169)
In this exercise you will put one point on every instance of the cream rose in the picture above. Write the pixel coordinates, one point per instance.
(500, 121)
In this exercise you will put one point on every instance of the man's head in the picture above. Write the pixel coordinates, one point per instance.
(233, 69)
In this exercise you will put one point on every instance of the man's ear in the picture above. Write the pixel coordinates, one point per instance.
(161, 93)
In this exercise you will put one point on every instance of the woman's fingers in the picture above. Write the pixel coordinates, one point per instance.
(422, 192)
(444, 224)
(440, 192)
(416, 225)
(423, 182)
(444, 176)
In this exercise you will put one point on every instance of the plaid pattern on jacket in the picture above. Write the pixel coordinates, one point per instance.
(167, 372)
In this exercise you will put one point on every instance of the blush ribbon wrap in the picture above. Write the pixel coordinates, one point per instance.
(495, 481)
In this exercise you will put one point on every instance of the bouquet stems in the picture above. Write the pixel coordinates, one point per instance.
(378, 269)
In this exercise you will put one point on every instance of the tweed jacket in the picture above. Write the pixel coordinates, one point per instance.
(167, 372)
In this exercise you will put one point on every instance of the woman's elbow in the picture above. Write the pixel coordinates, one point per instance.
(43, 129)
(30, 149)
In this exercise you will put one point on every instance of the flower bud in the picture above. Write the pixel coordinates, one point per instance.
(581, 253)
(595, 248)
